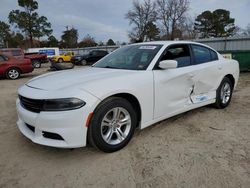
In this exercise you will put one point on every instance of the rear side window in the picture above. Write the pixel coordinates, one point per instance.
(16, 52)
(214, 55)
(180, 53)
(203, 54)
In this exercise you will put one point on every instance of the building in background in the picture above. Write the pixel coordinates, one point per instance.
(237, 48)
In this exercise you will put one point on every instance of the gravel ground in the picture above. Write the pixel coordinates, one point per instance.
(205, 147)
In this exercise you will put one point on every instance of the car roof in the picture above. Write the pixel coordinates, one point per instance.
(9, 49)
(170, 42)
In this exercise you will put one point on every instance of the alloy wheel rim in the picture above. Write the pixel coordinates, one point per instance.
(225, 93)
(116, 125)
(13, 74)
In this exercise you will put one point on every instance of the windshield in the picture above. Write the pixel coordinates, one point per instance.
(133, 57)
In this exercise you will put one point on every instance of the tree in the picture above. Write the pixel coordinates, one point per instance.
(16, 40)
(29, 22)
(87, 41)
(140, 16)
(172, 14)
(52, 41)
(247, 30)
(70, 38)
(215, 24)
(110, 42)
(152, 31)
(187, 29)
(4, 34)
(100, 43)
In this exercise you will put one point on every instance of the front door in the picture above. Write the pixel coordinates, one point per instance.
(173, 87)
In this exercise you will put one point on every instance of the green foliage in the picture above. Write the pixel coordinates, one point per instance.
(215, 24)
(4, 33)
(110, 42)
(152, 31)
(69, 38)
(16, 40)
(28, 20)
(52, 41)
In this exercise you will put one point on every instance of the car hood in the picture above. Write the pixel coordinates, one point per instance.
(82, 78)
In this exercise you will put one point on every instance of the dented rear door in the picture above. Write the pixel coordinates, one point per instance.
(206, 75)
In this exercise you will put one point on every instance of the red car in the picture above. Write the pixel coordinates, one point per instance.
(12, 67)
(36, 58)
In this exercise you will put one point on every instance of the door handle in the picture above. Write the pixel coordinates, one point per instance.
(219, 67)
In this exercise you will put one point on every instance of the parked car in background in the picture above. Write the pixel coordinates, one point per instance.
(133, 87)
(63, 58)
(91, 58)
(12, 67)
(36, 58)
(49, 51)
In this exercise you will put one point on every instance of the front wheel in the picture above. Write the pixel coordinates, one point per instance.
(112, 125)
(224, 93)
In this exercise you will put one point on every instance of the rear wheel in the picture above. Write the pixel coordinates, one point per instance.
(112, 125)
(13, 74)
(83, 62)
(36, 63)
(224, 93)
(60, 60)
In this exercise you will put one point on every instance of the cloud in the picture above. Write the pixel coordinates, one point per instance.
(96, 29)
(105, 19)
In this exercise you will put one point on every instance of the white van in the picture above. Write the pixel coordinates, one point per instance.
(49, 51)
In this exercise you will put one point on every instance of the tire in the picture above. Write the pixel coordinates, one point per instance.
(60, 60)
(13, 74)
(36, 63)
(83, 62)
(224, 93)
(109, 133)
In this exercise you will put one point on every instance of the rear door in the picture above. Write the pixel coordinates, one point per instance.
(173, 87)
(206, 73)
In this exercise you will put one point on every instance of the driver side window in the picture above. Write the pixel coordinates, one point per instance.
(180, 53)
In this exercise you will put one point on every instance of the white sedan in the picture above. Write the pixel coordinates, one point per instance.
(133, 87)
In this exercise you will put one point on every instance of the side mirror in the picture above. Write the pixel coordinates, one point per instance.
(168, 64)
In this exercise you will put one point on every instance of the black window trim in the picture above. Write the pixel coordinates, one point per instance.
(156, 67)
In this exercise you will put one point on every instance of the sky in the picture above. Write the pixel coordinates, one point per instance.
(104, 19)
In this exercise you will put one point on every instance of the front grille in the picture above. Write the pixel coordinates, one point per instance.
(33, 105)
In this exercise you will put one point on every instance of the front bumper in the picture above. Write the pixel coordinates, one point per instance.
(62, 129)
(69, 125)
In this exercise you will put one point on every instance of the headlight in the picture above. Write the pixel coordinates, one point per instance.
(62, 104)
